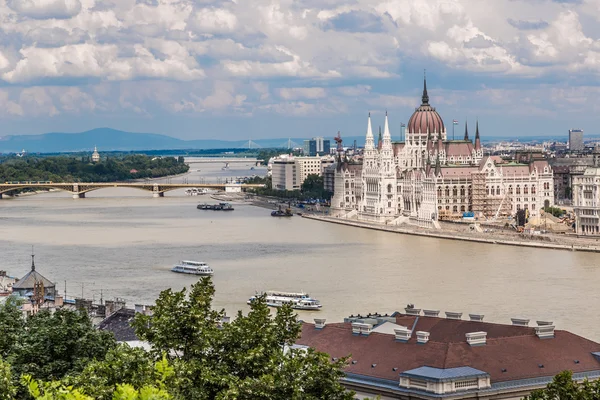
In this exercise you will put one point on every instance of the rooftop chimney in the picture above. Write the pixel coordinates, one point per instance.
(520, 322)
(412, 311)
(422, 337)
(402, 334)
(453, 315)
(476, 338)
(431, 313)
(319, 323)
(359, 328)
(544, 323)
(476, 317)
(545, 331)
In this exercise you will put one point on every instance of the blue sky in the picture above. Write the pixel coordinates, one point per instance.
(202, 69)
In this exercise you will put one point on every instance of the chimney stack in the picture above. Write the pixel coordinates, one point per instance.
(545, 331)
(476, 317)
(359, 328)
(453, 315)
(422, 337)
(520, 322)
(412, 311)
(476, 338)
(320, 323)
(402, 334)
(431, 313)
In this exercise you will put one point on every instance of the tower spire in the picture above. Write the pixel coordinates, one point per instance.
(425, 97)
(369, 139)
(32, 259)
(477, 139)
(466, 131)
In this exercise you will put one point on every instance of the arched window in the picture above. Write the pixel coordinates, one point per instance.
(462, 190)
(439, 191)
(487, 190)
(389, 188)
(525, 190)
(454, 191)
(447, 191)
(462, 208)
(347, 185)
(455, 209)
(510, 189)
(518, 189)
(532, 189)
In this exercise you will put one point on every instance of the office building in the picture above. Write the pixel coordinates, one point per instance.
(576, 140)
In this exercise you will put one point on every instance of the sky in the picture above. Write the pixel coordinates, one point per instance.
(240, 69)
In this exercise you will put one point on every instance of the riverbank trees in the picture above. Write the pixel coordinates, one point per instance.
(194, 356)
(81, 169)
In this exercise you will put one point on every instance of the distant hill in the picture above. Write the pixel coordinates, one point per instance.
(114, 140)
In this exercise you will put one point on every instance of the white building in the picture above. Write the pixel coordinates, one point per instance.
(284, 173)
(95, 155)
(289, 172)
(427, 177)
(586, 202)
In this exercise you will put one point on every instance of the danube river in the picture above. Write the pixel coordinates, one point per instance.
(122, 243)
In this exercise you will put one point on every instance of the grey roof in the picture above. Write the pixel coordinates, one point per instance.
(119, 323)
(29, 281)
(441, 374)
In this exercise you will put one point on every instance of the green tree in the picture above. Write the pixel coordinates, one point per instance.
(7, 387)
(563, 387)
(244, 359)
(121, 364)
(11, 325)
(52, 345)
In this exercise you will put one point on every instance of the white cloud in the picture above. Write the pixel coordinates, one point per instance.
(43, 9)
(302, 93)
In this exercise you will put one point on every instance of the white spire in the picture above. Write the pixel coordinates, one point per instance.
(369, 142)
(387, 137)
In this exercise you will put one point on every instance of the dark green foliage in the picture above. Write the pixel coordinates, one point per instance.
(80, 169)
(11, 326)
(55, 344)
(556, 211)
(244, 359)
(563, 387)
(312, 188)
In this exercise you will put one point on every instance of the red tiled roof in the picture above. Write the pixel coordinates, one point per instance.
(516, 349)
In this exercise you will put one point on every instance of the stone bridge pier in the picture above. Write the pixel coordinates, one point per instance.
(157, 192)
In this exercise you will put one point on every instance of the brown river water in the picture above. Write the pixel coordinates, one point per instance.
(122, 243)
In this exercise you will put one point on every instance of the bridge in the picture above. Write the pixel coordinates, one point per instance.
(227, 160)
(79, 189)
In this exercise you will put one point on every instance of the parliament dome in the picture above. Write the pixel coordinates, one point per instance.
(425, 119)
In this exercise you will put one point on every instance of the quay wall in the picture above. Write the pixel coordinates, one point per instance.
(456, 235)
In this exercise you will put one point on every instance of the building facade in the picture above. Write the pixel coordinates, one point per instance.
(427, 177)
(576, 140)
(95, 155)
(289, 172)
(316, 146)
(284, 174)
(586, 202)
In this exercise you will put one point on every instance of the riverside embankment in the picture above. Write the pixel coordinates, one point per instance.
(545, 242)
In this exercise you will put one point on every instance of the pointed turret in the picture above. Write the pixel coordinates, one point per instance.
(379, 139)
(466, 131)
(33, 262)
(369, 142)
(438, 166)
(477, 139)
(425, 97)
(387, 137)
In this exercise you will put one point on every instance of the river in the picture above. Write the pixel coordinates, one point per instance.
(122, 243)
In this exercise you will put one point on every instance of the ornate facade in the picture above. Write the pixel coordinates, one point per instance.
(427, 177)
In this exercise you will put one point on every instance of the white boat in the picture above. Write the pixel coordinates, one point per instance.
(195, 191)
(298, 301)
(193, 268)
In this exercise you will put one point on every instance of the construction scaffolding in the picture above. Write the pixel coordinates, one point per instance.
(487, 203)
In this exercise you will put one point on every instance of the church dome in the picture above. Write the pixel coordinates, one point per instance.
(425, 119)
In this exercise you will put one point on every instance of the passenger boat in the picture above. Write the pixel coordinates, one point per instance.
(215, 207)
(196, 191)
(193, 268)
(298, 301)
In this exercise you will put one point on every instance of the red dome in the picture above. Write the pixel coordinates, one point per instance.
(425, 119)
